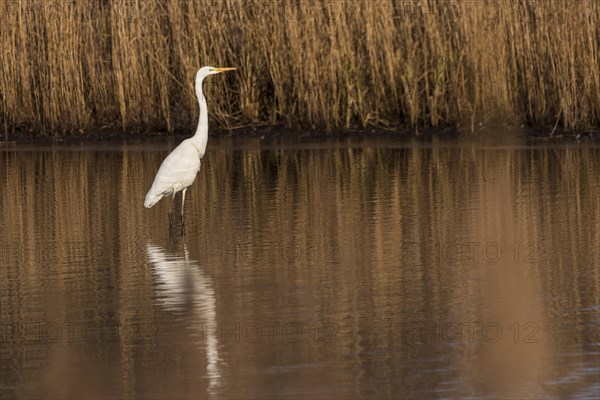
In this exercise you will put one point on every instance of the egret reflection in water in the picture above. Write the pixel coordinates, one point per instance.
(184, 287)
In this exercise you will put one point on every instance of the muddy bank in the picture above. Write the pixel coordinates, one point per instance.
(489, 135)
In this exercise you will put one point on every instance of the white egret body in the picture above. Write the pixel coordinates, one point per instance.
(178, 171)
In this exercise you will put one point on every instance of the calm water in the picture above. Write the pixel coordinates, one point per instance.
(342, 269)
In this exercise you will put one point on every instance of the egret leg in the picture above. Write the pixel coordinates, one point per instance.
(171, 210)
(182, 203)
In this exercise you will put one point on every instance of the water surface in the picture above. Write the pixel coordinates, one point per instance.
(339, 269)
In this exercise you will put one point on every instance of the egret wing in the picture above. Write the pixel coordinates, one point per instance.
(176, 172)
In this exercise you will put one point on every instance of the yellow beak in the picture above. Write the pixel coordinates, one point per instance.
(224, 69)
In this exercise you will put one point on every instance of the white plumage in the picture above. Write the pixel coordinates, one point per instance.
(178, 171)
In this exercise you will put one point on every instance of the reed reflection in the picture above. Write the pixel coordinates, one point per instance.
(398, 246)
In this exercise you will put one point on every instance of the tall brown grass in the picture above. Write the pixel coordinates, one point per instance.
(70, 66)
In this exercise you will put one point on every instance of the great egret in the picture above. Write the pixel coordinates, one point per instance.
(178, 171)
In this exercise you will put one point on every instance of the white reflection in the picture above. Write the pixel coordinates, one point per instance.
(183, 283)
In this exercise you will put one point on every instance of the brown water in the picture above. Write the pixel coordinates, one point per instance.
(342, 269)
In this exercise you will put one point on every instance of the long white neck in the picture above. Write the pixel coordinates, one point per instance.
(200, 138)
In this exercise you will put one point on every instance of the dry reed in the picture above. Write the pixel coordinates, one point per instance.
(72, 66)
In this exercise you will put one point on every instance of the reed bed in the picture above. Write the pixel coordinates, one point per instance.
(73, 66)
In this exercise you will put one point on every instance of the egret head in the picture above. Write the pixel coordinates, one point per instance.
(203, 73)
(206, 71)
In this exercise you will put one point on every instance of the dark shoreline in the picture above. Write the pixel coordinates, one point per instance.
(111, 136)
